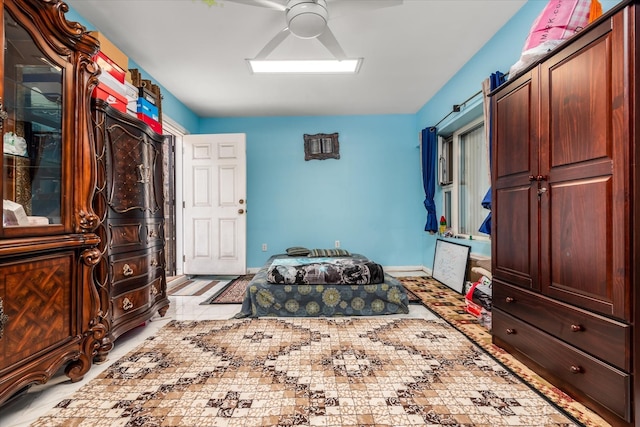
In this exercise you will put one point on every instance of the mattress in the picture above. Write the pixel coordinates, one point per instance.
(264, 299)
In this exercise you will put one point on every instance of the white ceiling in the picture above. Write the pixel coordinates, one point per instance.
(197, 52)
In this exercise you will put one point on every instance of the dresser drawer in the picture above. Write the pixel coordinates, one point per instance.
(155, 233)
(131, 302)
(137, 265)
(157, 289)
(600, 382)
(582, 329)
(125, 236)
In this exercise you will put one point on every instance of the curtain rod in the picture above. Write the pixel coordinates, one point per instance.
(456, 107)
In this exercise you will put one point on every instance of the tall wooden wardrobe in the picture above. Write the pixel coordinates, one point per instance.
(49, 306)
(566, 216)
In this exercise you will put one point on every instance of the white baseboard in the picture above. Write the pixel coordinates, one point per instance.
(402, 269)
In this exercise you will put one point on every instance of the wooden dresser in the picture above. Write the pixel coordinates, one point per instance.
(566, 237)
(49, 307)
(130, 275)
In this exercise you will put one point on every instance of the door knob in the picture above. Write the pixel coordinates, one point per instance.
(240, 211)
(241, 201)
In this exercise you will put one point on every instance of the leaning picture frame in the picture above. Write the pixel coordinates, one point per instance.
(450, 264)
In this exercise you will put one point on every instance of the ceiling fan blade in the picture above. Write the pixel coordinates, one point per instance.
(330, 42)
(269, 4)
(273, 43)
(348, 7)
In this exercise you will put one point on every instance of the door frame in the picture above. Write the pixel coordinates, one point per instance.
(171, 127)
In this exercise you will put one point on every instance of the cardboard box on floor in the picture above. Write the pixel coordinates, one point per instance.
(477, 261)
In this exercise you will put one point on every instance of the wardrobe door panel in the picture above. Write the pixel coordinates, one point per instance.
(515, 201)
(583, 167)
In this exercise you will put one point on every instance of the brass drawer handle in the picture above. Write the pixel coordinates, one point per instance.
(127, 304)
(153, 233)
(509, 300)
(4, 319)
(576, 369)
(576, 328)
(511, 331)
(154, 291)
(127, 270)
(154, 262)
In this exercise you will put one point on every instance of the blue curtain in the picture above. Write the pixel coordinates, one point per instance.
(429, 153)
(495, 80)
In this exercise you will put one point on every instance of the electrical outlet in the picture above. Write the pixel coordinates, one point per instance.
(264, 247)
(337, 243)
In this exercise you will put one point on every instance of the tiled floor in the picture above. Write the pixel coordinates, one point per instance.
(40, 399)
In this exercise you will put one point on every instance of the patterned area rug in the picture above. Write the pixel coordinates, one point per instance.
(233, 292)
(450, 306)
(173, 289)
(375, 371)
(192, 288)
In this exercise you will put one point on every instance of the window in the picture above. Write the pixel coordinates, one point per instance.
(464, 177)
(445, 161)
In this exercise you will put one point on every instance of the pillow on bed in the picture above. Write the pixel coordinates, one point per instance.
(297, 251)
(328, 252)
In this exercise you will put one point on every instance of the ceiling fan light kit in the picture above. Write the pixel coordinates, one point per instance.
(307, 19)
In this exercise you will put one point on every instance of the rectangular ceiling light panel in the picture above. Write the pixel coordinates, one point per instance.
(304, 66)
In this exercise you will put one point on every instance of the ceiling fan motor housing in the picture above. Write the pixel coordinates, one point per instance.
(307, 19)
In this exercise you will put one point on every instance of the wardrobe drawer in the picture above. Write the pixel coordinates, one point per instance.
(604, 338)
(600, 382)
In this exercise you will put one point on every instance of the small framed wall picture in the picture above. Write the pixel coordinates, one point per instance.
(321, 146)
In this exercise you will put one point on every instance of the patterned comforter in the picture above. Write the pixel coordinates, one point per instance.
(325, 270)
(312, 300)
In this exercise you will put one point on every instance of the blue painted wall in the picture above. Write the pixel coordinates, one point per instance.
(369, 199)
(372, 198)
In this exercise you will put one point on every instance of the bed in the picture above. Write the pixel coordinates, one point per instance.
(322, 286)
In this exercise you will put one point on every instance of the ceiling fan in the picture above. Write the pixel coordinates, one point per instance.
(308, 19)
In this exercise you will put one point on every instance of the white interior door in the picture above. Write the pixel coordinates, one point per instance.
(214, 189)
